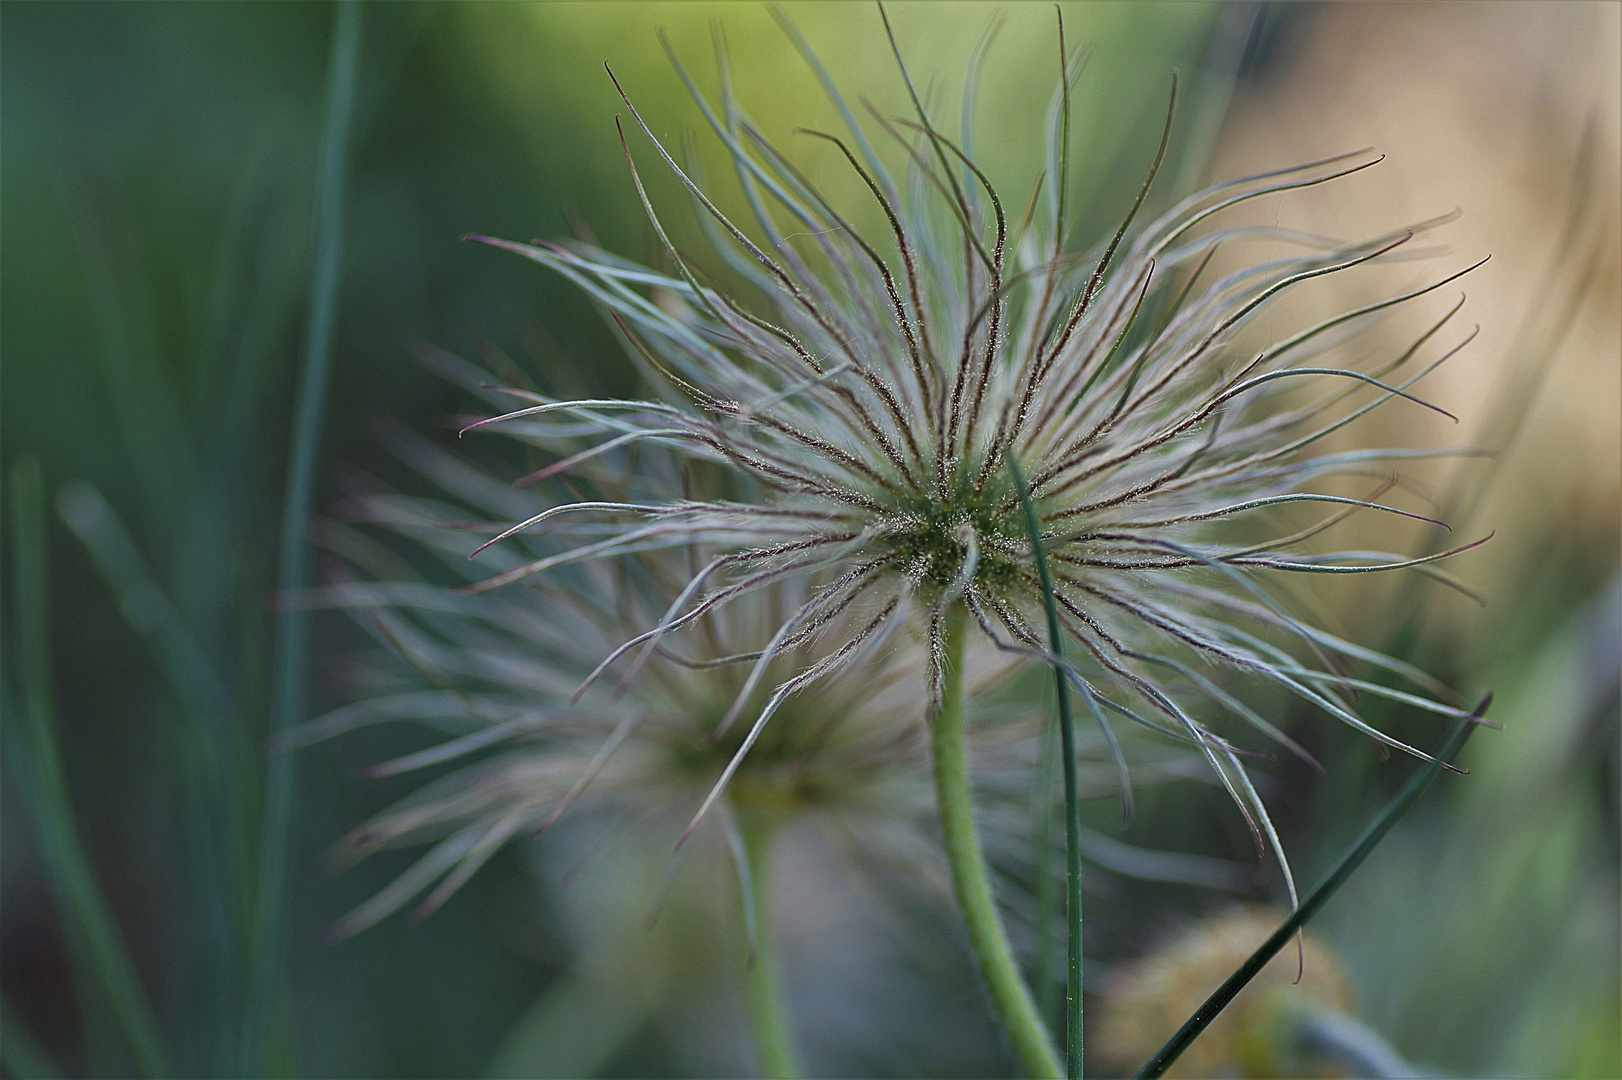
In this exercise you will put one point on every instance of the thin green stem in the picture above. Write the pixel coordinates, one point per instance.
(1072, 800)
(970, 878)
(92, 931)
(763, 985)
(265, 957)
(1047, 778)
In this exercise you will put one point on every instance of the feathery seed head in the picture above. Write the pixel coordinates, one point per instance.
(497, 677)
(862, 408)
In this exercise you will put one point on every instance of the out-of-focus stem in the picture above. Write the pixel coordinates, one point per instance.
(265, 959)
(970, 878)
(763, 986)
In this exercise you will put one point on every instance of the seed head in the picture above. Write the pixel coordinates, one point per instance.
(860, 411)
(496, 677)
(1144, 1001)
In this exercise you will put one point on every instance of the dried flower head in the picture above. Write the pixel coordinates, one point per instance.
(861, 413)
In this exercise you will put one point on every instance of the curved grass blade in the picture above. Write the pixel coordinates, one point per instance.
(1404, 801)
(264, 964)
(206, 750)
(1072, 809)
(147, 608)
(81, 904)
(20, 1053)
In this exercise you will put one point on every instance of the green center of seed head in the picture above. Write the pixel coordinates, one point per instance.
(933, 541)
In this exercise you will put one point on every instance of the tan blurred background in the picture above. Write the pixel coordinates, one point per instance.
(1485, 108)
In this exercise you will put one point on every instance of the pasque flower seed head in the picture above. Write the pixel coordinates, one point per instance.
(860, 411)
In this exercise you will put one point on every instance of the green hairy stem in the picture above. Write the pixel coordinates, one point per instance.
(766, 1011)
(970, 878)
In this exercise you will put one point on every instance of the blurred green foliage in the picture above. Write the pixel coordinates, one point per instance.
(158, 172)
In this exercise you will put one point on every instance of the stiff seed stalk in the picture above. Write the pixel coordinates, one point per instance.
(764, 1006)
(970, 878)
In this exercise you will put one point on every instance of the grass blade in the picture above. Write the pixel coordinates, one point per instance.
(78, 895)
(1405, 799)
(292, 630)
(20, 1053)
(147, 609)
(202, 757)
(1072, 807)
(1047, 779)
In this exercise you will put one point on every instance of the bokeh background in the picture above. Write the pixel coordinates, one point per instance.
(157, 227)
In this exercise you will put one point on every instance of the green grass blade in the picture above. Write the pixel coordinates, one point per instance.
(101, 1040)
(1405, 799)
(20, 1053)
(289, 687)
(201, 757)
(82, 906)
(1047, 778)
(147, 608)
(1072, 806)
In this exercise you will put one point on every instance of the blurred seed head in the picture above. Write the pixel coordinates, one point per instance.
(504, 681)
(1143, 1003)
